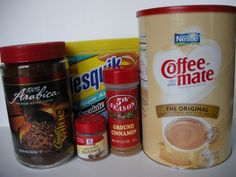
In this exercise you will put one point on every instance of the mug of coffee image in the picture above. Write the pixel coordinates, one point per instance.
(185, 137)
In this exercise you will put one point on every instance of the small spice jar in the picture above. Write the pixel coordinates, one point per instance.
(122, 101)
(91, 137)
(38, 99)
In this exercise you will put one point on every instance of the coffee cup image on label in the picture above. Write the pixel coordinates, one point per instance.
(186, 133)
(185, 139)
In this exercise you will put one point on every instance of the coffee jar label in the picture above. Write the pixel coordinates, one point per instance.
(40, 117)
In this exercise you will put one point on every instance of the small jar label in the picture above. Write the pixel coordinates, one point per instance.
(92, 147)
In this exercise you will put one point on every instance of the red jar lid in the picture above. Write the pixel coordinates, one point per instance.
(34, 52)
(186, 9)
(123, 74)
(90, 123)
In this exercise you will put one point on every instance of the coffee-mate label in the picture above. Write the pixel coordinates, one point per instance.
(187, 76)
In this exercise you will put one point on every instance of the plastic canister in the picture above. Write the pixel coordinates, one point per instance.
(187, 82)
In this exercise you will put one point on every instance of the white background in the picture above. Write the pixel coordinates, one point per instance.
(24, 21)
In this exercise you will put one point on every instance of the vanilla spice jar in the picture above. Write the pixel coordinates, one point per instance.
(91, 137)
(38, 100)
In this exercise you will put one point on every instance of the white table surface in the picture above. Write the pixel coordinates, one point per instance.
(113, 166)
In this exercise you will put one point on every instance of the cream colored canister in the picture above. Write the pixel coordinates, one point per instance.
(187, 83)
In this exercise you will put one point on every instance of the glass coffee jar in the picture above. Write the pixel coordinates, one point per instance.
(38, 100)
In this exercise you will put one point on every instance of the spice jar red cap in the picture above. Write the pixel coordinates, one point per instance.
(122, 74)
(90, 123)
(33, 52)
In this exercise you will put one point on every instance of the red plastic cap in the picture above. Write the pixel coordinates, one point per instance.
(123, 74)
(90, 123)
(186, 9)
(32, 52)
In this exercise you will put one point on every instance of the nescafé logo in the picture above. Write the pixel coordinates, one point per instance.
(187, 38)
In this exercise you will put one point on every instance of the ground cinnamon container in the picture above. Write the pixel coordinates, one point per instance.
(187, 83)
(38, 100)
(122, 102)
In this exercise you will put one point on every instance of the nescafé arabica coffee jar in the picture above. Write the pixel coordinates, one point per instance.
(38, 100)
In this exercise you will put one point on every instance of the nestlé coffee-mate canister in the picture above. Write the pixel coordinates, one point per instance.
(187, 81)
